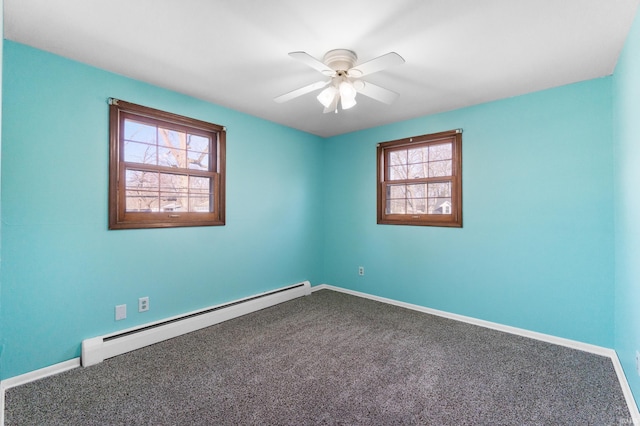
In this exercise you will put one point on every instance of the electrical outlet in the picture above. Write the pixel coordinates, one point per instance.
(360, 270)
(143, 304)
(121, 312)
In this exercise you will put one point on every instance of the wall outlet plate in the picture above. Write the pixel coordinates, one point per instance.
(121, 312)
(143, 304)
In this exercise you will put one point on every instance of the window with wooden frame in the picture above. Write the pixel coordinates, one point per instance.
(420, 180)
(165, 170)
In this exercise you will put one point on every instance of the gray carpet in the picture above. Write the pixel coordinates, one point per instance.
(331, 358)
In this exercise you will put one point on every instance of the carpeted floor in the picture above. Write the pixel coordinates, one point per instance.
(332, 358)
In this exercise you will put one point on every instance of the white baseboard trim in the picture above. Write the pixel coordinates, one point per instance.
(573, 344)
(626, 390)
(33, 376)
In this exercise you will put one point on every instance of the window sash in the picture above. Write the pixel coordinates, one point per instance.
(146, 217)
(213, 159)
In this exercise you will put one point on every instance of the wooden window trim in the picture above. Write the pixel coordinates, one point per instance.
(445, 220)
(119, 218)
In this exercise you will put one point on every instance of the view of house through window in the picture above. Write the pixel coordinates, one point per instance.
(166, 170)
(419, 180)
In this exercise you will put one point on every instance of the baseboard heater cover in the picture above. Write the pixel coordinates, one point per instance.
(97, 349)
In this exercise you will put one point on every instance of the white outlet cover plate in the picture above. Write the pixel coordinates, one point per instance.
(143, 304)
(121, 312)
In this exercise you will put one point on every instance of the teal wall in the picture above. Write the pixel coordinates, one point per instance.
(536, 247)
(63, 271)
(626, 89)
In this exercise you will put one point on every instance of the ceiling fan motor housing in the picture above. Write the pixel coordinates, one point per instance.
(340, 59)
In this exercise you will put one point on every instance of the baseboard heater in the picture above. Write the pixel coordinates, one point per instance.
(97, 349)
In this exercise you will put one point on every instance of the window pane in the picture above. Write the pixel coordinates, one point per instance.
(441, 189)
(172, 148)
(200, 203)
(141, 191)
(137, 179)
(141, 201)
(440, 168)
(198, 152)
(417, 191)
(135, 152)
(172, 138)
(198, 143)
(397, 191)
(171, 157)
(439, 206)
(173, 183)
(397, 172)
(440, 152)
(198, 160)
(396, 207)
(397, 158)
(418, 155)
(199, 185)
(416, 206)
(173, 202)
(135, 131)
(418, 171)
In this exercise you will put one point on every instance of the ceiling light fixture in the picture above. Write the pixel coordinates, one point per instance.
(345, 79)
(341, 90)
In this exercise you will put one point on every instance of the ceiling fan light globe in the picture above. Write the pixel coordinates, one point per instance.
(333, 107)
(347, 103)
(347, 95)
(327, 96)
(347, 90)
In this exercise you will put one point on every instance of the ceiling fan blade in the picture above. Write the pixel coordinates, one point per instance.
(376, 92)
(301, 91)
(312, 62)
(378, 64)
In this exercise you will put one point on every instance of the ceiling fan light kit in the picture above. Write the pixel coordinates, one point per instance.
(342, 90)
(344, 84)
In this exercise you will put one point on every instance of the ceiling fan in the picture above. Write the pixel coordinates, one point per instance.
(344, 78)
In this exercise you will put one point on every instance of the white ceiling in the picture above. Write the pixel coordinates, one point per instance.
(234, 52)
